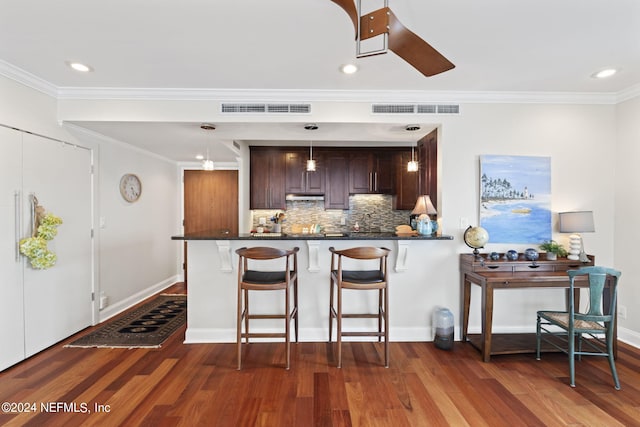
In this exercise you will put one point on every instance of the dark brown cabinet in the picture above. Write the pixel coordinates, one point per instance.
(298, 180)
(336, 194)
(406, 182)
(428, 166)
(371, 172)
(267, 178)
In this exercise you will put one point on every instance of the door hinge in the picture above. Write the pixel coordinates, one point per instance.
(183, 222)
(184, 266)
(92, 233)
(93, 296)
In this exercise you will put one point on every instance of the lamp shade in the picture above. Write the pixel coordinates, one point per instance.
(424, 206)
(576, 222)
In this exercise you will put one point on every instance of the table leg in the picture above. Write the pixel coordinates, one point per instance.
(487, 321)
(466, 302)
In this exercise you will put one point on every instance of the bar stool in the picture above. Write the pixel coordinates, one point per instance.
(267, 280)
(376, 279)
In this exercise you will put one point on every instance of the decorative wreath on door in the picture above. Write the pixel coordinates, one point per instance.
(35, 247)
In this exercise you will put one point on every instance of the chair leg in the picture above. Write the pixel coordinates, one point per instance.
(386, 326)
(330, 308)
(339, 322)
(287, 328)
(571, 338)
(380, 314)
(246, 315)
(295, 306)
(612, 363)
(538, 338)
(239, 330)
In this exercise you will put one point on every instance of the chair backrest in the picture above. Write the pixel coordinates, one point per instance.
(597, 284)
(264, 253)
(360, 253)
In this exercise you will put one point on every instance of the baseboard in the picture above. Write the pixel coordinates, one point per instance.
(120, 306)
(207, 335)
(629, 337)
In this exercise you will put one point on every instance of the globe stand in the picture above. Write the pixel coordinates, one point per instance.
(476, 253)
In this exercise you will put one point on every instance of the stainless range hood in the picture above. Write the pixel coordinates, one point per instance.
(303, 197)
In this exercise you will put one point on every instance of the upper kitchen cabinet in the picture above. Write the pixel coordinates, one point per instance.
(298, 180)
(371, 172)
(428, 166)
(407, 183)
(337, 177)
(267, 178)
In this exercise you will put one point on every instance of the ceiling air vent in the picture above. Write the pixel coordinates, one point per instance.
(266, 108)
(393, 109)
(449, 109)
(415, 109)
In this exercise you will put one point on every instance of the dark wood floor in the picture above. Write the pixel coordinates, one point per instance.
(198, 384)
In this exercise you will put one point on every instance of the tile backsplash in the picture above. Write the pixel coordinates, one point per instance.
(373, 212)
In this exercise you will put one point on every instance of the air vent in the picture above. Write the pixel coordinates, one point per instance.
(393, 109)
(415, 109)
(266, 108)
(448, 109)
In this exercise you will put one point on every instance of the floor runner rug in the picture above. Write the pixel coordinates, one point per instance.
(146, 326)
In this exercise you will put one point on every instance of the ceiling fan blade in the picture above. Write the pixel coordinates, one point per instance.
(349, 6)
(417, 52)
(405, 43)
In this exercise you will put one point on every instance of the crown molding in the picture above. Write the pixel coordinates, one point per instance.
(21, 76)
(303, 95)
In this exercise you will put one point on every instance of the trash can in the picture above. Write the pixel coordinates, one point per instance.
(443, 326)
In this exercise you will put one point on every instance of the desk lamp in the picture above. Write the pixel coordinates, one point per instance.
(575, 223)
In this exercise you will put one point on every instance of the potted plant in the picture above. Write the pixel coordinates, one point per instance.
(553, 250)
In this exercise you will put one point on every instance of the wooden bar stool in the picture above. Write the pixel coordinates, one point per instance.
(376, 279)
(267, 280)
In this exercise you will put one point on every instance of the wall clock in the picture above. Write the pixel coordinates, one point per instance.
(130, 187)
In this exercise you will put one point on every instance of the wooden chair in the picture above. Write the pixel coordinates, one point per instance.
(569, 327)
(376, 279)
(267, 280)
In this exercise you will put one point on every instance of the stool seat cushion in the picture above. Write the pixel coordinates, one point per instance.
(265, 277)
(362, 276)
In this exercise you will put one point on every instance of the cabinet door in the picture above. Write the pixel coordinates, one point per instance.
(11, 285)
(336, 194)
(267, 180)
(383, 174)
(58, 300)
(406, 182)
(295, 173)
(360, 174)
(428, 164)
(314, 182)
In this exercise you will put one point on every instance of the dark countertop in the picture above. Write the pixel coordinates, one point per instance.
(217, 235)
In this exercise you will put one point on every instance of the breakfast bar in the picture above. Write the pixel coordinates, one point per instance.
(212, 282)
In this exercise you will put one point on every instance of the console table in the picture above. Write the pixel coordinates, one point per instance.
(506, 274)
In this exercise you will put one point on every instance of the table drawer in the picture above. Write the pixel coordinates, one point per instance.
(533, 267)
(494, 267)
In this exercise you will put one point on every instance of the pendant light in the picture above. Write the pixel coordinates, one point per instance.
(412, 165)
(311, 164)
(207, 164)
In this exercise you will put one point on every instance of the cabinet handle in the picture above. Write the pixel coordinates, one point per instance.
(375, 181)
(17, 221)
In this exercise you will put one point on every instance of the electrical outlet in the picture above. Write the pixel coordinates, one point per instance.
(622, 311)
(343, 221)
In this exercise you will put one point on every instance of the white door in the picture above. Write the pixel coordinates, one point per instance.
(11, 298)
(58, 299)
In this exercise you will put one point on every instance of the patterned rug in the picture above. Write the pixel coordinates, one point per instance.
(147, 326)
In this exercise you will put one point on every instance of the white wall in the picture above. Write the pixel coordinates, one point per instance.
(134, 254)
(627, 201)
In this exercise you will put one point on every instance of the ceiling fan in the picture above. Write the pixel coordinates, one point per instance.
(396, 37)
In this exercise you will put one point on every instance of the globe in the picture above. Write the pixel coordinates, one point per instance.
(476, 237)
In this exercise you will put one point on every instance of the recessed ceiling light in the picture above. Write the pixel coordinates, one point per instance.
(603, 74)
(349, 68)
(199, 157)
(79, 67)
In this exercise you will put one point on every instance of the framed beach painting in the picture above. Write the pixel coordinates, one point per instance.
(515, 198)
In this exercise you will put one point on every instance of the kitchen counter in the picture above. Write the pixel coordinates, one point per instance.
(414, 271)
(216, 235)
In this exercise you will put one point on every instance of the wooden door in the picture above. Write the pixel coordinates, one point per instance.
(210, 203)
(406, 182)
(337, 175)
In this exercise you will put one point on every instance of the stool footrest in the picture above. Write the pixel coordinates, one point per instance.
(362, 334)
(360, 316)
(263, 335)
